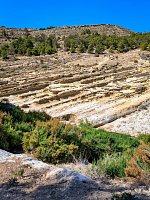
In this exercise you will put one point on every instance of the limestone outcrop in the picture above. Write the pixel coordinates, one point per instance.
(110, 91)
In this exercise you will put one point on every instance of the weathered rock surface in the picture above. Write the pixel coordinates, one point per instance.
(110, 91)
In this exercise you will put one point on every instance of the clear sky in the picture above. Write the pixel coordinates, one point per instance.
(132, 14)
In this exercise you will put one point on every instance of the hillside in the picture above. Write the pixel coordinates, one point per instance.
(8, 34)
(110, 91)
(78, 99)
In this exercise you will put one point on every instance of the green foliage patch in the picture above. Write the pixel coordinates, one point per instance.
(14, 123)
(52, 141)
(29, 45)
(98, 43)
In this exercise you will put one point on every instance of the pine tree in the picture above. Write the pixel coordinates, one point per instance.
(90, 48)
(99, 49)
(4, 54)
(81, 48)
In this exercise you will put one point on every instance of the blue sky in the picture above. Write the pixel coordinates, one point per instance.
(132, 14)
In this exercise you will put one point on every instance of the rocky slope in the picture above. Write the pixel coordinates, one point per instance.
(8, 34)
(24, 178)
(110, 91)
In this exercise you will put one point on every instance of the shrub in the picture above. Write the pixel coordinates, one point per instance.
(49, 142)
(139, 164)
(4, 54)
(13, 181)
(29, 52)
(90, 48)
(53, 141)
(145, 138)
(4, 144)
(4, 138)
(99, 49)
(100, 142)
(19, 116)
(14, 123)
(112, 166)
(72, 49)
(81, 48)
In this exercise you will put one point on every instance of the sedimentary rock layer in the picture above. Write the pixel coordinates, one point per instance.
(110, 91)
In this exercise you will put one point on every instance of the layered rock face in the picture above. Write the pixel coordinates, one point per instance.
(110, 91)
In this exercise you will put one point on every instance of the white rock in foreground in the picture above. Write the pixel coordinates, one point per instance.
(5, 156)
(65, 174)
(53, 172)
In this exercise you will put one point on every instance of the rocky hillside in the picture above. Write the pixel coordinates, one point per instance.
(110, 91)
(107, 29)
(8, 34)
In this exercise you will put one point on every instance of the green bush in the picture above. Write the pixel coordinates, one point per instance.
(57, 142)
(19, 116)
(112, 166)
(4, 140)
(53, 141)
(4, 143)
(100, 142)
(145, 138)
(50, 142)
(14, 123)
